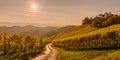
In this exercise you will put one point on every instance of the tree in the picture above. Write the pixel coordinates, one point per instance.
(86, 20)
(105, 20)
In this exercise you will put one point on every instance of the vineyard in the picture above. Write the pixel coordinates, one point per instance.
(104, 38)
(19, 47)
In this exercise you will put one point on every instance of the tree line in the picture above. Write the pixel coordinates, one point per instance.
(102, 20)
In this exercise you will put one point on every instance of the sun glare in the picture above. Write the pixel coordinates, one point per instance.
(34, 6)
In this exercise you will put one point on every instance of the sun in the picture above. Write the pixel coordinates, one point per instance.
(34, 6)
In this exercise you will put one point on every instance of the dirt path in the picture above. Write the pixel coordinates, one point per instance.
(49, 54)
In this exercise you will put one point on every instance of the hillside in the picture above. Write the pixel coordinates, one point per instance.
(59, 30)
(99, 32)
(89, 44)
(89, 38)
(75, 31)
(90, 24)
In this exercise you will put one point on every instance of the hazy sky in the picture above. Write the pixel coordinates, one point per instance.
(54, 12)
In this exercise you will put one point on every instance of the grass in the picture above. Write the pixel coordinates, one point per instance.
(89, 54)
(110, 56)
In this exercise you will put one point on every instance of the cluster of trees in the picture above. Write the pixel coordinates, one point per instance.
(102, 20)
(16, 46)
(107, 40)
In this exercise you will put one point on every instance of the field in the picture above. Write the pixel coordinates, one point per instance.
(89, 54)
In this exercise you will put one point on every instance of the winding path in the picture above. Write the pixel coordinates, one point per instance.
(49, 54)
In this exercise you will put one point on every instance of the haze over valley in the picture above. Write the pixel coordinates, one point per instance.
(59, 29)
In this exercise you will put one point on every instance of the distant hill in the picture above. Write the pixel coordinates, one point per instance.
(61, 29)
(21, 24)
(33, 30)
(27, 30)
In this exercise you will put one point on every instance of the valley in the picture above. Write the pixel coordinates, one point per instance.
(97, 38)
(59, 29)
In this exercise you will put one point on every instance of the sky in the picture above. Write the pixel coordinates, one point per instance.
(54, 12)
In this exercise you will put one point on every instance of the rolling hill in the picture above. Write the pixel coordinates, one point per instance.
(87, 43)
(78, 30)
(89, 37)
(34, 30)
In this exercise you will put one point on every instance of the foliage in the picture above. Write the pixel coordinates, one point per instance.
(102, 20)
(21, 47)
(86, 20)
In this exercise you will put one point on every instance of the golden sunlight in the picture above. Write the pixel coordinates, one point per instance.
(34, 7)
